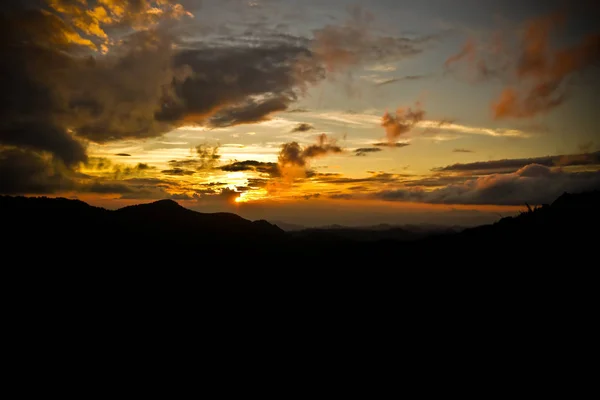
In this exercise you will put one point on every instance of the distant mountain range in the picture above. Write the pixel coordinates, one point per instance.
(71, 229)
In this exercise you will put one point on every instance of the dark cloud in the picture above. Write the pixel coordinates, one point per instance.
(250, 165)
(303, 127)
(143, 166)
(341, 196)
(28, 172)
(380, 177)
(511, 165)
(237, 83)
(256, 183)
(324, 146)
(386, 144)
(63, 87)
(57, 94)
(23, 171)
(187, 163)
(363, 151)
(42, 137)
(123, 155)
(437, 180)
(462, 151)
(292, 154)
(120, 171)
(178, 172)
(206, 158)
(252, 111)
(533, 184)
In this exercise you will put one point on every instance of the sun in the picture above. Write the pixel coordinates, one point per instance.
(240, 198)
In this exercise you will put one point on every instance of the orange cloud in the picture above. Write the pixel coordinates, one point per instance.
(293, 160)
(92, 21)
(468, 52)
(542, 71)
(402, 122)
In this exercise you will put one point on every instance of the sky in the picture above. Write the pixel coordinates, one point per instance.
(307, 112)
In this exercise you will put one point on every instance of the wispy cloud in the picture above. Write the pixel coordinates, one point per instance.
(517, 163)
(400, 79)
(363, 151)
(395, 145)
(381, 68)
(474, 130)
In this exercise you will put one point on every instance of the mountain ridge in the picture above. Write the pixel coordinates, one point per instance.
(164, 225)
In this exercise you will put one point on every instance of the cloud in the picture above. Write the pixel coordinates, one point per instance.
(533, 184)
(293, 159)
(381, 68)
(393, 145)
(353, 42)
(466, 52)
(402, 122)
(380, 177)
(324, 146)
(205, 157)
(208, 156)
(446, 125)
(80, 72)
(40, 136)
(93, 22)
(23, 171)
(123, 155)
(541, 72)
(302, 127)
(401, 79)
(121, 171)
(57, 94)
(272, 169)
(470, 54)
(509, 165)
(366, 150)
(178, 172)
(462, 151)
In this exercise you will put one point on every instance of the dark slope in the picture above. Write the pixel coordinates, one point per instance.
(165, 230)
(156, 228)
(165, 216)
(572, 219)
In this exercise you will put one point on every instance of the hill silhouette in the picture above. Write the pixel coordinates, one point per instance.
(58, 227)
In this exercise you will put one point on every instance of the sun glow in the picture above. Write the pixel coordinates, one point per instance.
(252, 195)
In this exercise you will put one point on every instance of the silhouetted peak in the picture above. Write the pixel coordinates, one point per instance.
(165, 205)
(570, 200)
(267, 227)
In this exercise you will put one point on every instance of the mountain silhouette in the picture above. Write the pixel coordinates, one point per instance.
(58, 227)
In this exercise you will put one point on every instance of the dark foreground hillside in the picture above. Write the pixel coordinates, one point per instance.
(71, 231)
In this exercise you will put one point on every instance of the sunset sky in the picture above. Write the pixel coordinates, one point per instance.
(308, 112)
